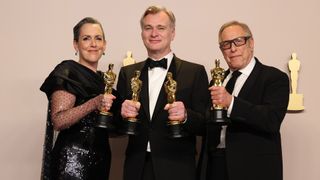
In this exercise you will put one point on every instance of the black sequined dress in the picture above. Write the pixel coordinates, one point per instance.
(81, 151)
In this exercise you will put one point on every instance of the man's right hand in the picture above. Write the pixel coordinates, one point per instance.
(130, 109)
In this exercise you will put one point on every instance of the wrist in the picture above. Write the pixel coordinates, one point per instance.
(185, 117)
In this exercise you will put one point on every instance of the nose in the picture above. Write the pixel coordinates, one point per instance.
(154, 33)
(93, 43)
(233, 47)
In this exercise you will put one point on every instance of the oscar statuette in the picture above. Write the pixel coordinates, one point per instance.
(136, 85)
(218, 113)
(175, 129)
(295, 99)
(105, 118)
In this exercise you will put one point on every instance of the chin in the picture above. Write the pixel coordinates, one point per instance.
(154, 47)
(234, 65)
(93, 60)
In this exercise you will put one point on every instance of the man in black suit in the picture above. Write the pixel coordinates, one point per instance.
(152, 154)
(249, 148)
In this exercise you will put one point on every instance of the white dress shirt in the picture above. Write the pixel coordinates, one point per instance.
(245, 72)
(156, 78)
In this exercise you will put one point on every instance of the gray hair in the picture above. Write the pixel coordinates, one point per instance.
(244, 26)
(157, 9)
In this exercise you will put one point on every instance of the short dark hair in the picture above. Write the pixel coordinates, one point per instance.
(77, 27)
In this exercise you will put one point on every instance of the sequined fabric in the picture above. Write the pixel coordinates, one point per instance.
(81, 151)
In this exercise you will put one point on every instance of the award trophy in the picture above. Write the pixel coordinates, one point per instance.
(105, 118)
(136, 84)
(295, 99)
(129, 59)
(218, 113)
(170, 85)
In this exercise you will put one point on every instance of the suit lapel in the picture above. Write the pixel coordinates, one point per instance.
(144, 94)
(248, 85)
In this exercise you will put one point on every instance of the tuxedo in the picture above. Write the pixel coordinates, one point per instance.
(253, 141)
(173, 158)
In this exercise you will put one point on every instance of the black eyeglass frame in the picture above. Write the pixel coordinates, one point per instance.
(225, 45)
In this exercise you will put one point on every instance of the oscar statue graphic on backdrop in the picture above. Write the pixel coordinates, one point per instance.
(129, 59)
(170, 85)
(136, 85)
(218, 113)
(105, 118)
(295, 100)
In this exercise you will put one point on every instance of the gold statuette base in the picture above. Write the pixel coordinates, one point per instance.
(295, 102)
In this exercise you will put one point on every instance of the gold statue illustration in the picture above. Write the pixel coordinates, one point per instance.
(128, 60)
(295, 100)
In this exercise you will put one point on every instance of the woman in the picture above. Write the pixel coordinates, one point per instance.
(75, 93)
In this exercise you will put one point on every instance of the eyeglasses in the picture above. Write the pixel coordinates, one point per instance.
(239, 41)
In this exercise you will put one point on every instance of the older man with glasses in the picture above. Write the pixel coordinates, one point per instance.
(248, 148)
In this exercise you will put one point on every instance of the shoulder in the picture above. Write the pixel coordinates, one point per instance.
(129, 70)
(271, 71)
(191, 68)
(58, 78)
(67, 63)
(132, 67)
(189, 64)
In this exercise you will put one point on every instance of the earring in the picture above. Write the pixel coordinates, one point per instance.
(76, 53)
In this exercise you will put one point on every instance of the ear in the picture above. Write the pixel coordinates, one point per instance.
(75, 46)
(173, 33)
(104, 45)
(251, 43)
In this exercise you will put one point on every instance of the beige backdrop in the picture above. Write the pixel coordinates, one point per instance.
(37, 34)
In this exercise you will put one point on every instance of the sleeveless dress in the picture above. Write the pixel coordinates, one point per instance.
(82, 151)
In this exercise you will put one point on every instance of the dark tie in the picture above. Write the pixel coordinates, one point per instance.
(161, 63)
(232, 81)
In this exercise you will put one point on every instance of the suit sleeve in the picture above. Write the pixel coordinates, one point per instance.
(121, 85)
(266, 112)
(199, 100)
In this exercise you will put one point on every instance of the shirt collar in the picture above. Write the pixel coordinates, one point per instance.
(169, 58)
(248, 69)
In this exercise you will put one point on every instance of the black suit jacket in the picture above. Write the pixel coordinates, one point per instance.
(172, 158)
(253, 142)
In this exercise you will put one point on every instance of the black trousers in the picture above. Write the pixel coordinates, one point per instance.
(217, 166)
(148, 173)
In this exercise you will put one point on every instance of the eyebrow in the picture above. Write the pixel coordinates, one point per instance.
(234, 38)
(86, 35)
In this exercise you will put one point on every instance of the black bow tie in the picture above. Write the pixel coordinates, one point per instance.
(161, 63)
(230, 84)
